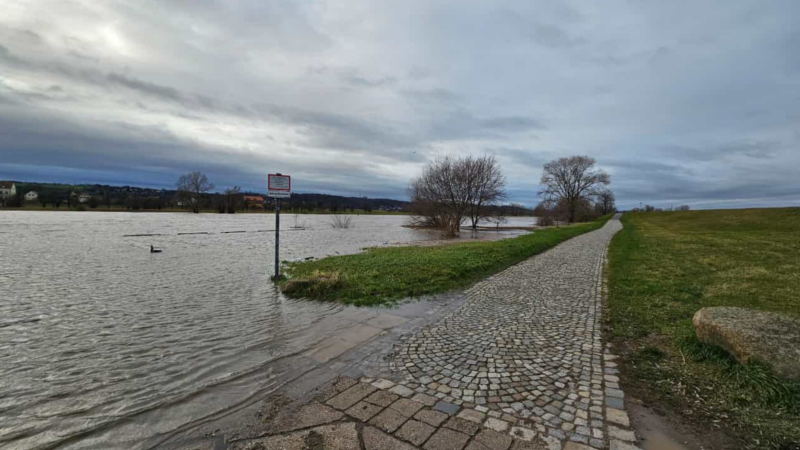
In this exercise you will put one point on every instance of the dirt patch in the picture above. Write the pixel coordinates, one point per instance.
(658, 432)
(673, 417)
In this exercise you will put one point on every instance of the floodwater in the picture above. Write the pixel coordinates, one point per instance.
(104, 345)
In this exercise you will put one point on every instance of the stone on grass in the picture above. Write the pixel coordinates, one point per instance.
(750, 335)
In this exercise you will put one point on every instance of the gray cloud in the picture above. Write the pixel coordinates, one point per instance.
(356, 99)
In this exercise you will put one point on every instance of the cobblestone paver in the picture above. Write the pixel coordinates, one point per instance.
(521, 365)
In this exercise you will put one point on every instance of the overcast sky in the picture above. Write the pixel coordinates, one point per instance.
(682, 102)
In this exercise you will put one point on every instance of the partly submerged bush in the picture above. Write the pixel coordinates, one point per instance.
(316, 283)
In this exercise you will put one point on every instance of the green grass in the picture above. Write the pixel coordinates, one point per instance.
(381, 275)
(666, 266)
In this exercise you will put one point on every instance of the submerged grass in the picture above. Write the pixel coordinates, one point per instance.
(381, 275)
(666, 266)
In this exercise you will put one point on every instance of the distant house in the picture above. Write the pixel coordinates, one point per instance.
(254, 201)
(31, 196)
(84, 197)
(7, 190)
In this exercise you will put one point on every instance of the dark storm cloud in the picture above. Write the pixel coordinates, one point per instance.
(676, 106)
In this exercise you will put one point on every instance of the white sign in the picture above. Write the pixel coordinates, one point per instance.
(279, 186)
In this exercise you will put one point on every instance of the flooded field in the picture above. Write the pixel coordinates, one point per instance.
(105, 345)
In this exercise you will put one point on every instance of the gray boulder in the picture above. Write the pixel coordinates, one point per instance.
(750, 335)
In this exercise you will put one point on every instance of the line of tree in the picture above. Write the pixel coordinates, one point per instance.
(452, 190)
(132, 198)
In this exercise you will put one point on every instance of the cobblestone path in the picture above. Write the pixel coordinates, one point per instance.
(520, 365)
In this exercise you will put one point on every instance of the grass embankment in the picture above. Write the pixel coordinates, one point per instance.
(381, 275)
(666, 266)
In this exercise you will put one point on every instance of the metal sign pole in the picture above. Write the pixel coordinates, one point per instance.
(278, 186)
(277, 236)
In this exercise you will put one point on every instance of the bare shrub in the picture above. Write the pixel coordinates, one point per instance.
(341, 221)
(317, 283)
(297, 223)
(545, 221)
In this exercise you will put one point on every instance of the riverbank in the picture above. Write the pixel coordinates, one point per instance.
(666, 266)
(383, 275)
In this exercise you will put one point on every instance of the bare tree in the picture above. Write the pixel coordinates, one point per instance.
(606, 203)
(451, 189)
(439, 197)
(570, 180)
(341, 221)
(192, 187)
(487, 186)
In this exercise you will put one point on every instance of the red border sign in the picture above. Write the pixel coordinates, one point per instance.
(276, 175)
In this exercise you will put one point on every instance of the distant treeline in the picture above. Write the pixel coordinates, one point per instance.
(98, 196)
(133, 198)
